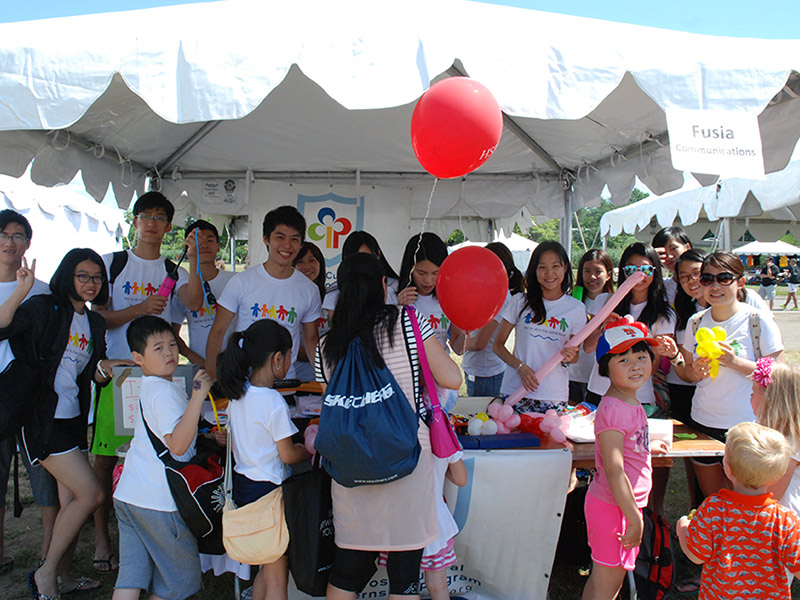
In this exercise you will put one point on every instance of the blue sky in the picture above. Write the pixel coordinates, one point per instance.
(739, 18)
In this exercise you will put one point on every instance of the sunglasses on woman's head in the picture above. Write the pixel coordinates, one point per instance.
(631, 269)
(725, 279)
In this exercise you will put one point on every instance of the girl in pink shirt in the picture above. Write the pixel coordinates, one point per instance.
(622, 456)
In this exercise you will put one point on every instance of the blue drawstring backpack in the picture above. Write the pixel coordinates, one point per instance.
(367, 429)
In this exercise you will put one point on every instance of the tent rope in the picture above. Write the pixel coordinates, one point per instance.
(56, 133)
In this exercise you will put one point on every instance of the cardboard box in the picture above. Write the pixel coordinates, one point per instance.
(126, 394)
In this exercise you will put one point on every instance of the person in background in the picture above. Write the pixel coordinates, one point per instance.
(769, 280)
(670, 243)
(483, 368)
(271, 290)
(793, 276)
(311, 263)
(418, 271)
(594, 285)
(15, 239)
(206, 242)
(361, 241)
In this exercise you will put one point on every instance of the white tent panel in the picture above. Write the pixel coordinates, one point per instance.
(778, 248)
(215, 89)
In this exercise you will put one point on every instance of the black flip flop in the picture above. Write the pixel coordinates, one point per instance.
(111, 564)
(81, 587)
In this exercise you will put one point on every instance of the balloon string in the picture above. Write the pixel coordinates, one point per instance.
(422, 230)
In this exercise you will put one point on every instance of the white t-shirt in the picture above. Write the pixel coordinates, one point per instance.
(255, 294)
(258, 420)
(431, 312)
(671, 288)
(139, 279)
(200, 321)
(725, 401)
(791, 497)
(646, 395)
(332, 294)
(144, 482)
(74, 360)
(6, 289)
(447, 524)
(582, 369)
(485, 363)
(536, 343)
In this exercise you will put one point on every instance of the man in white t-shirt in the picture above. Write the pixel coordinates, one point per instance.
(15, 239)
(135, 277)
(272, 290)
(205, 238)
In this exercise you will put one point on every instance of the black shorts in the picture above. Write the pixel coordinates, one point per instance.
(352, 570)
(66, 435)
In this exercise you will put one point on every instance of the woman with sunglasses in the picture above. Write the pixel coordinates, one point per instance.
(59, 349)
(647, 303)
(721, 402)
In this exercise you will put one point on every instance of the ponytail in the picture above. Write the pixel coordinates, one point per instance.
(249, 350)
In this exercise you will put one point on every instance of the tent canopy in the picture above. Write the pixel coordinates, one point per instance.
(767, 208)
(778, 248)
(62, 218)
(323, 92)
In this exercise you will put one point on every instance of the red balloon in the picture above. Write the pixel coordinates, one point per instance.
(456, 127)
(471, 287)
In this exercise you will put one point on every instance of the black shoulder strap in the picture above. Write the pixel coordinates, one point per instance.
(118, 261)
(161, 450)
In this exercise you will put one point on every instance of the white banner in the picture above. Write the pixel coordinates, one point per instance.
(509, 517)
(715, 142)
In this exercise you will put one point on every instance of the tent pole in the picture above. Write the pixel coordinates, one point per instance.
(565, 229)
(726, 234)
(232, 240)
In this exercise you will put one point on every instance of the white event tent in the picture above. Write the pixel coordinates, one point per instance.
(308, 98)
(62, 218)
(766, 208)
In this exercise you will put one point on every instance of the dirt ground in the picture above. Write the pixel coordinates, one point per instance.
(23, 535)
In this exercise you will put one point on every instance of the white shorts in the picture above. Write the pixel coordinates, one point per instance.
(767, 292)
(792, 287)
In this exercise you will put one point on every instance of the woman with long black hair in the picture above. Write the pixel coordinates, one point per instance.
(62, 344)
(397, 517)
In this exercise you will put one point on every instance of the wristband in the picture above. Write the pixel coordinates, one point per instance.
(676, 360)
(102, 371)
(519, 366)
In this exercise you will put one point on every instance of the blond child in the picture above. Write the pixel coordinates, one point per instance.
(744, 539)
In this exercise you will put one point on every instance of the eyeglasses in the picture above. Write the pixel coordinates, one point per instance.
(17, 238)
(155, 218)
(687, 277)
(85, 278)
(725, 279)
(210, 298)
(631, 269)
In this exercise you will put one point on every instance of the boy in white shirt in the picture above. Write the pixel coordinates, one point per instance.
(272, 290)
(158, 553)
(134, 277)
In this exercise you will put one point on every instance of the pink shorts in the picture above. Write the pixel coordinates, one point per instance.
(604, 524)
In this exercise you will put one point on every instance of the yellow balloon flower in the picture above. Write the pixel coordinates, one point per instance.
(708, 346)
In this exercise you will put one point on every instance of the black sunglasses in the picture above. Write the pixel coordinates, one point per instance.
(725, 279)
(210, 298)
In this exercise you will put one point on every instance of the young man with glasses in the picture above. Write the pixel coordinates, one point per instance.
(15, 239)
(134, 279)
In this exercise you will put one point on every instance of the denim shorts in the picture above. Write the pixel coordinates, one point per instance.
(484, 386)
(157, 553)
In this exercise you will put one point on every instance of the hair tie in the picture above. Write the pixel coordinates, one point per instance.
(763, 371)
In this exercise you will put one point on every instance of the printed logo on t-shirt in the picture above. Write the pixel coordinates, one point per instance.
(558, 326)
(205, 311)
(270, 312)
(438, 322)
(641, 439)
(81, 342)
(138, 289)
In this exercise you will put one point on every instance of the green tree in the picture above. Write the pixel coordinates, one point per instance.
(456, 237)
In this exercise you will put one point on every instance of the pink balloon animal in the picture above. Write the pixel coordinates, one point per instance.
(548, 424)
(504, 416)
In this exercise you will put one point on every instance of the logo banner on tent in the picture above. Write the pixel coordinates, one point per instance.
(715, 142)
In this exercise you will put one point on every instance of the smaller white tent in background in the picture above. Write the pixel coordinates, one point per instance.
(778, 248)
(520, 246)
(62, 218)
